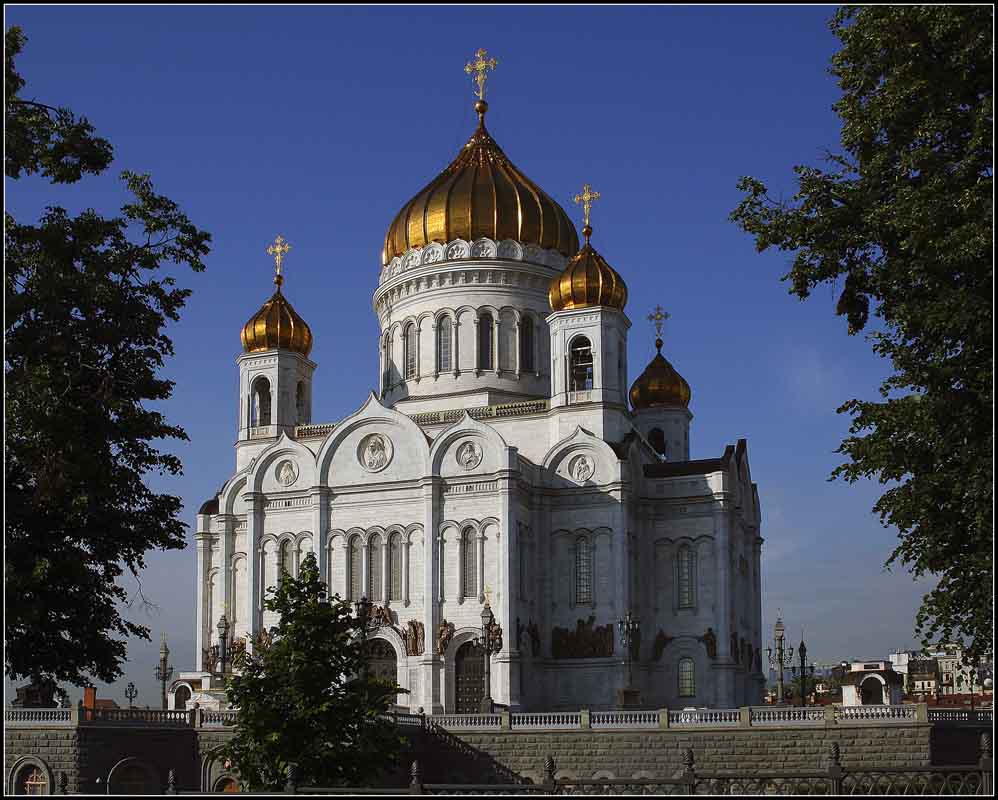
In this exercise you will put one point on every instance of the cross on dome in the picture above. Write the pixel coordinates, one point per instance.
(278, 250)
(587, 198)
(480, 66)
(658, 316)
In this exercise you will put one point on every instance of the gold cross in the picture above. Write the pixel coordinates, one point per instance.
(659, 316)
(586, 198)
(278, 250)
(480, 66)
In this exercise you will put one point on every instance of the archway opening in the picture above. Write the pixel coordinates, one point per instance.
(180, 698)
(382, 663)
(871, 692)
(580, 365)
(469, 679)
(133, 778)
(31, 779)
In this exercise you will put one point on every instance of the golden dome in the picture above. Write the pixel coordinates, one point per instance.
(660, 385)
(277, 326)
(480, 194)
(587, 280)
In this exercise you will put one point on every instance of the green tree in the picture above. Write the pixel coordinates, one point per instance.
(305, 698)
(903, 218)
(83, 342)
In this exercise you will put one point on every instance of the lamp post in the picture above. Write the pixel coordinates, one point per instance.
(490, 641)
(131, 693)
(781, 659)
(163, 672)
(223, 642)
(628, 628)
(802, 653)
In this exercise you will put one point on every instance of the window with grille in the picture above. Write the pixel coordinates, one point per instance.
(687, 678)
(687, 585)
(485, 353)
(374, 570)
(583, 572)
(444, 333)
(32, 781)
(355, 568)
(580, 365)
(527, 344)
(470, 559)
(394, 568)
(410, 351)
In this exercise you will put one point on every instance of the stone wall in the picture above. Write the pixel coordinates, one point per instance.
(53, 749)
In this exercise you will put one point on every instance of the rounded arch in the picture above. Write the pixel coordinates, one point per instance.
(134, 776)
(461, 636)
(443, 313)
(22, 768)
(232, 490)
(493, 457)
(214, 771)
(284, 447)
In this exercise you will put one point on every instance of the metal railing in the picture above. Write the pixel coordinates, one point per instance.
(832, 779)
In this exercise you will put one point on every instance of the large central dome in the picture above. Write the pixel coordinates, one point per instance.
(481, 194)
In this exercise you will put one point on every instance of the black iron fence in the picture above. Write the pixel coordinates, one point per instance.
(833, 779)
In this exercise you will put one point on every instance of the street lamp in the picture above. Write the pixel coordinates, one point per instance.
(131, 693)
(163, 672)
(223, 641)
(781, 659)
(490, 641)
(629, 629)
(802, 653)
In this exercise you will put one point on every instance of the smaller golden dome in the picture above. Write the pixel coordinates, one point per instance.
(660, 385)
(587, 280)
(277, 326)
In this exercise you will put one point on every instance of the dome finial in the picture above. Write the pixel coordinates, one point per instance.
(480, 67)
(278, 250)
(587, 198)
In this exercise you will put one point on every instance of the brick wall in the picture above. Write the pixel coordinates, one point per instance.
(58, 748)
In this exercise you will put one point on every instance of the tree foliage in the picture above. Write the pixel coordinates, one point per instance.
(305, 698)
(903, 219)
(83, 342)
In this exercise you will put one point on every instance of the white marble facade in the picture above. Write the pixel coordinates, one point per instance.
(550, 501)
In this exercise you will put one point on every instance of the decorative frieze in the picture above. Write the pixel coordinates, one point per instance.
(586, 641)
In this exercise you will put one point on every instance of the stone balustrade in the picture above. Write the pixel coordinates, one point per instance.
(37, 716)
(979, 716)
(763, 715)
(546, 721)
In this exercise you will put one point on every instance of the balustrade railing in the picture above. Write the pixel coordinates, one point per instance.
(626, 719)
(904, 713)
(466, 721)
(705, 717)
(37, 716)
(982, 716)
(138, 716)
(762, 715)
(546, 721)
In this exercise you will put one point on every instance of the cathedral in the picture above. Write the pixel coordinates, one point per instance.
(505, 465)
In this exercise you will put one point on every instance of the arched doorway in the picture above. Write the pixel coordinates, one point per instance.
(469, 678)
(872, 692)
(181, 696)
(227, 785)
(133, 777)
(382, 663)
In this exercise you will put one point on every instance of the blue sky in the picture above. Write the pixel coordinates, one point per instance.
(320, 122)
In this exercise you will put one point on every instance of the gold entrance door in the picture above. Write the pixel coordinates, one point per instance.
(469, 678)
(381, 662)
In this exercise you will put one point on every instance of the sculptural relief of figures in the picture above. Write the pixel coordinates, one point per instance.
(445, 632)
(469, 455)
(660, 643)
(287, 473)
(709, 640)
(376, 452)
(586, 641)
(582, 469)
(535, 638)
(414, 641)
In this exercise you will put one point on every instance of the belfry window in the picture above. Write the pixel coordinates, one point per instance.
(443, 345)
(580, 365)
(374, 569)
(656, 438)
(583, 572)
(260, 410)
(469, 563)
(410, 351)
(485, 354)
(527, 344)
(687, 678)
(686, 577)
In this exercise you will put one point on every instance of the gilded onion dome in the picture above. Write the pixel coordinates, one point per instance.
(660, 385)
(277, 326)
(587, 280)
(481, 193)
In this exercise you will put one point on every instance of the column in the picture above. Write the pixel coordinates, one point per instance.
(726, 660)
(365, 571)
(406, 544)
(385, 572)
(254, 531)
(430, 663)
(453, 347)
(519, 347)
(419, 340)
(320, 529)
(480, 561)
(203, 543)
(478, 349)
(495, 344)
(508, 661)
(436, 349)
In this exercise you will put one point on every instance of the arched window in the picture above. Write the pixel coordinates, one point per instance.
(527, 344)
(355, 568)
(387, 348)
(394, 567)
(583, 572)
(443, 345)
(687, 678)
(485, 354)
(180, 698)
(469, 561)
(409, 340)
(300, 403)
(374, 570)
(656, 438)
(31, 780)
(686, 577)
(284, 559)
(580, 365)
(260, 411)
